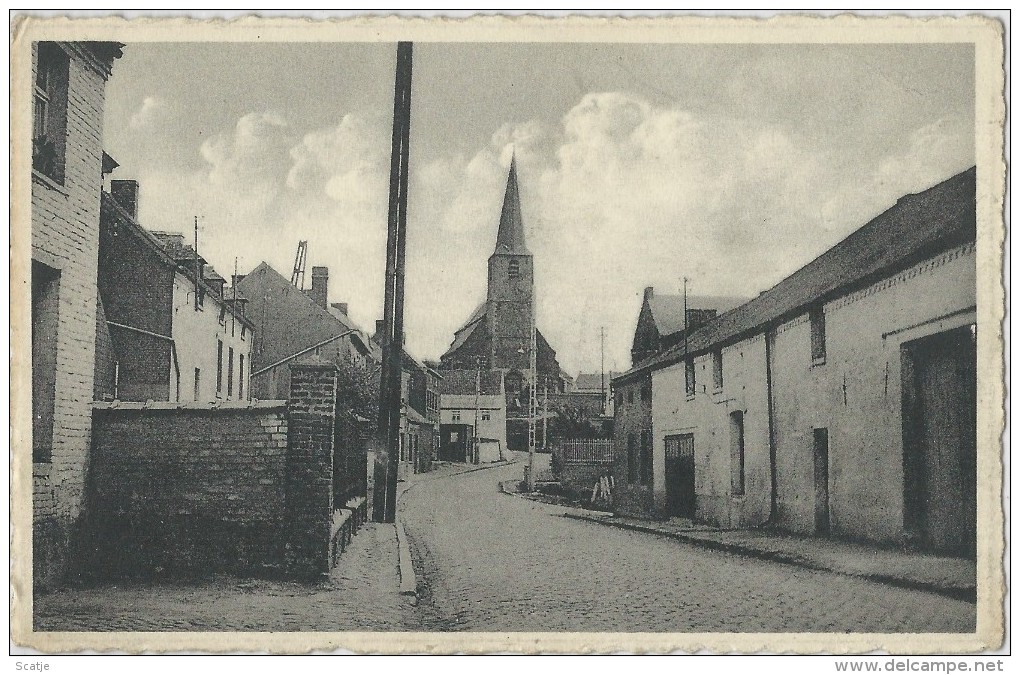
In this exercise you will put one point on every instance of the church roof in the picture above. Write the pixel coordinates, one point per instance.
(511, 224)
(465, 331)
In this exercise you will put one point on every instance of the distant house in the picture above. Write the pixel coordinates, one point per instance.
(596, 383)
(472, 400)
(841, 401)
(290, 323)
(163, 334)
(68, 88)
(662, 323)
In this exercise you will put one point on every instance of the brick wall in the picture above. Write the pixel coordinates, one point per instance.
(65, 237)
(309, 508)
(178, 489)
(632, 416)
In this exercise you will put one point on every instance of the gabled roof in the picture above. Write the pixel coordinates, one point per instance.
(592, 381)
(465, 331)
(510, 238)
(917, 227)
(668, 310)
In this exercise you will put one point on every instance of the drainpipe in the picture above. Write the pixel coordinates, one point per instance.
(773, 482)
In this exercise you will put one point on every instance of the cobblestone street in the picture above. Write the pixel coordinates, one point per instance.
(494, 562)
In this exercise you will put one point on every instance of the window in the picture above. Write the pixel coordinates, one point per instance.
(737, 452)
(230, 372)
(45, 298)
(456, 416)
(198, 380)
(49, 111)
(817, 317)
(689, 381)
(240, 376)
(646, 457)
(486, 416)
(619, 398)
(219, 366)
(630, 396)
(632, 463)
(717, 379)
(513, 269)
(244, 329)
(646, 392)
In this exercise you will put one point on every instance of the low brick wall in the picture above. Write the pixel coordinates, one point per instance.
(179, 489)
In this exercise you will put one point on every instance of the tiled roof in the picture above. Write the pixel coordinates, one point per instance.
(465, 331)
(463, 382)
(668, 310)
(592, 381)
(917, 227)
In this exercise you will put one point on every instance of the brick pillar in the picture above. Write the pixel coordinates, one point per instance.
(311, 411)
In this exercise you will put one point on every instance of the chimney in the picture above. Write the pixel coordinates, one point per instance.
(342, 306)
(649, 291)
(125, 193)
(320, 283)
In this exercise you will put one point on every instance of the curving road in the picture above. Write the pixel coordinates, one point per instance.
(494, 562)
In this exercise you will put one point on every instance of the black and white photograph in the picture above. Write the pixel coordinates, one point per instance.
(394, 335)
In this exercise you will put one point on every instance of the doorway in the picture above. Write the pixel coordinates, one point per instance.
(940, 440)
(454, 442)
(679, 470)
(820, 441)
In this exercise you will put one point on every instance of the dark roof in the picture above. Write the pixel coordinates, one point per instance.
(465, 331)
(668, 310)
(463, 382)
(917, 227)
(592, 381)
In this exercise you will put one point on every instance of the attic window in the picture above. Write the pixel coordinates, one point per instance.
(689, 377)
(513, 269)
(817, 319)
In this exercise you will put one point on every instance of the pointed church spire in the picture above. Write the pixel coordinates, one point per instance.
(511, 224)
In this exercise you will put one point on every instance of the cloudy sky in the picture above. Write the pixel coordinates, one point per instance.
(732, 165)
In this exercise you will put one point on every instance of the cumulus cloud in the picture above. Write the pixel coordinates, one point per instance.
(150, 110)
(618, 194)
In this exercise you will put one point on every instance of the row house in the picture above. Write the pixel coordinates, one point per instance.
(167, 329)
(291, 322)
(664, 321)
(68, 91)
(842, 401)
(473, 406)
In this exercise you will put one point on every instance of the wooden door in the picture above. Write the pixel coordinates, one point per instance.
(679, 470)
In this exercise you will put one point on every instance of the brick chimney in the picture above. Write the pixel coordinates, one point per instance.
(649, 291)
(125, 193)
(320, 284)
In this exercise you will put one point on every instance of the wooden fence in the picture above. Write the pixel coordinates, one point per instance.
(586, 450)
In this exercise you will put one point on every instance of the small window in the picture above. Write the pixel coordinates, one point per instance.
(630, 396)
(646, 392)
(49, 111)
(817, 316)
(219, 366)
(456, 416)
(513, 269)
(198, 383)
(486, 416)
(689, 379)
(737, 453)
(646, 457)
(230, 372)
(717, 374)
(619, 398)
(632, 460)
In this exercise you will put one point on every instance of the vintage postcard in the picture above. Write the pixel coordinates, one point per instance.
(508, 334)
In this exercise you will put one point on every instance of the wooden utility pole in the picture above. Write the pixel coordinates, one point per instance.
(602, 367)
(384, 498)
(475, 453)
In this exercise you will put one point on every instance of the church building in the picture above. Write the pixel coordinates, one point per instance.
(497, 335)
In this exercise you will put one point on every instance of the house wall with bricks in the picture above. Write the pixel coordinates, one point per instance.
(65, 240)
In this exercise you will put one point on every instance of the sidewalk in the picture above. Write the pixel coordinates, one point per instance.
(952, 577)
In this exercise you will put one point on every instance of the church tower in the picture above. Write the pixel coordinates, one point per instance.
(511, 286)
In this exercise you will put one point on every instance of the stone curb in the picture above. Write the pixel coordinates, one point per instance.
(575, 512)
(408, 579)
(967, 594)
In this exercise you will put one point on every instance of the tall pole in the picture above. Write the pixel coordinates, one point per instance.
(685, 319)
(532, 404)
(478, 392)
(384, 499)
(197, 273)
(545, 415)
(602, 336)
